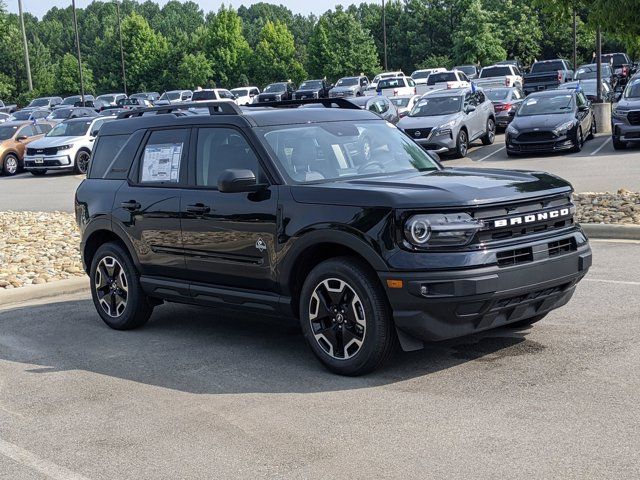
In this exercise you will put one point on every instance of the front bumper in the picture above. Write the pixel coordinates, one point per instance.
(48, 162)
(437, 143)
(558, 144)
(446, 304)
(625, 132)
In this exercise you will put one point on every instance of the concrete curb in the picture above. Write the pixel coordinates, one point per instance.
(46, 290)
(611, 231)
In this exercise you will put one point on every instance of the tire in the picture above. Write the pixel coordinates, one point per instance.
(579, 141)
(462, 144)
(11, 165)
(594, 129)
(114, 280)
(618, 145)
(490, 136)
(527, 322)
(38, 173)
(342, 296)
(81, 163)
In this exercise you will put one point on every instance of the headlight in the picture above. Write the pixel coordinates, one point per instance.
(513, 130)
(441, 230)
(65, 147)
(562, 129)
(619, 113)
(445, 129)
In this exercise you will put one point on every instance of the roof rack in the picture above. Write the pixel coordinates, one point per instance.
(326, 102)
(215, 108)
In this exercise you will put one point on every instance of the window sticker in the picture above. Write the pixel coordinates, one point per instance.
(161, 162)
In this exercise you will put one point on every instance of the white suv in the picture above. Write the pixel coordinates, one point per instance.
(66, 147)
(206, 94)
(245, 95)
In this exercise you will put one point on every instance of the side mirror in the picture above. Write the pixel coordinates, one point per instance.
(20, 138)
(469, 109)
(583, 108)
(234, 181)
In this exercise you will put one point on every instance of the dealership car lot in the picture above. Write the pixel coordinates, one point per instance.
(241, 396)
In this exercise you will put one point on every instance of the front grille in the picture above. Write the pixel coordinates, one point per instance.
(42, 151)
(418, 132)
(634, 117)
(536, 136)
(559, 247)
(514, 257)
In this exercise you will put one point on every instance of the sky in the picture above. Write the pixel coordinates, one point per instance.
(40, 7)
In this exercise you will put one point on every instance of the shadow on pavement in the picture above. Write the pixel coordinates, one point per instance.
(205, 351)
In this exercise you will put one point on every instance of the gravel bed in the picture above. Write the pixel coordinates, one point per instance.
(38, 248)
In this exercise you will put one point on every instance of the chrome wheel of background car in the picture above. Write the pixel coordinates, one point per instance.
(10, 165)
(462, 143)
(490, 134)
(337, 318)
(82, 161)
(112, 288)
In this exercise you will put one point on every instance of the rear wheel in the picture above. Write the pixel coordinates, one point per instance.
(345, 317)
(618, 145)
(490, 134)
(10, 165)
(116, 291)
(462, 144)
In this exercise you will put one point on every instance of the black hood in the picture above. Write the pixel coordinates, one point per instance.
(543, 122)
(450, 187)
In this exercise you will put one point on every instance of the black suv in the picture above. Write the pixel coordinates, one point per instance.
(329, 215)
(276, 92)
(312, 89)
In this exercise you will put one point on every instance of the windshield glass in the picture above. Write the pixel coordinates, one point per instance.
(39, 102)
(343, 150)
(7, 131)
(239, 92)
(71, 100)
(70, 129)
(400, 101)
(107, 98)
(311, 84)
(618, 59)
(436, 106)
(424, 74)
(347, 82)
(491, 72)
(21, 115)
(391, 83)
(542, 67)
(60, 113)
(441, 77)
(204, 95)
(171, 96)
(497, 94)
(275, 87)
(546, 105)
(467, 69)
(633, 89)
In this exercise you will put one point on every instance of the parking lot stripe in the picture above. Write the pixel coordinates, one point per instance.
(490, 155)
(617, 282)
(30, 460)
(601, 146)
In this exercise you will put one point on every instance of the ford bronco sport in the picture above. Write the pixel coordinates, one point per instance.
(331, 215)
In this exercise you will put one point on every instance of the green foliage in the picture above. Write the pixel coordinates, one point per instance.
(435, 61)
(274, 58)
(477, 40)
(67, 81)
(194, 70)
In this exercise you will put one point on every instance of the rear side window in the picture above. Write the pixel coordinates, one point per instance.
(107, 160)
(163, 157)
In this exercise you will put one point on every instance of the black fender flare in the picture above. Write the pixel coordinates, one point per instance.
(105, 224)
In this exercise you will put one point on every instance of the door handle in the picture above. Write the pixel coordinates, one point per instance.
(131, 205)
(198, 208)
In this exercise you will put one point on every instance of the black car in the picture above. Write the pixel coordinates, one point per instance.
(380, 105)
(590, 89)
(312, 89)
(623, 67)
(283, 211)
(505, 101)
(551, 121)
(277, 92)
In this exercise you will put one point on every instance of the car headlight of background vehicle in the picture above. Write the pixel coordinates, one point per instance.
(441, 230)
(445, 129)
(563, 128)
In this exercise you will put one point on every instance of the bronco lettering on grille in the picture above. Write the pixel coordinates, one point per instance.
(532, 218)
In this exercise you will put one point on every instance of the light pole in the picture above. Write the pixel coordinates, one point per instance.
(124, 74)
(575, 40)
(75, 26)
(26, 47)
(384, 34)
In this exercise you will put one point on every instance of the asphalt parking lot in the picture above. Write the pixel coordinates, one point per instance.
(199, 393)
(55, 191)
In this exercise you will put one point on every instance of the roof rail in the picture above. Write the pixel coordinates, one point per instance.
(215, 108)
(327, 102)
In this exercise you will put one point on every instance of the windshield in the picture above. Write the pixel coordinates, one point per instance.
(436, 106)
(491, 72)
(633, 89)
(39, 102)
(275, 87)
(7, 131)
(546, 105)
(347, 82)
(70, 129)
(391, 83)
(425, 74)
(71, 100)
(618, 59)
(400, 101)
(107, 98)
(497, 94)
(21, 115)
(204, 95)
(311, 84)
(239, 92)
(441, 77)
(467, 69)
(343, 150)
(61, 113)
(171, 96)
(542, 67)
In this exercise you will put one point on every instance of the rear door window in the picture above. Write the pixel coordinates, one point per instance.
(163, 159)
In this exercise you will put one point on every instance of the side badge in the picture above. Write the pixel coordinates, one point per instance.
(260, 245)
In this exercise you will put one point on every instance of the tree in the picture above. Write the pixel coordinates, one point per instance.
(520, 29)
(223, 43)
(340, 46)
(477, 39)
(274, 58)
(66, 81)
(194, 70)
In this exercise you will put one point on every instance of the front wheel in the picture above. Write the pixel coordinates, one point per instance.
(116, 291)
(579, 141)
(345, 317)
(594, 129)
(11, 165)
(82, 162)
(618, 145)
(490, 134)
(462, 144)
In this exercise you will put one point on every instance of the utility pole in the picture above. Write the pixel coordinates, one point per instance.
(575, 40)
(124, 74)
(26, 47)
(599, 64)
(384, 34)
(75, 26)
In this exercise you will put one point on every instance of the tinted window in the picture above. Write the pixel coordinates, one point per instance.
(221, 149)
(27, 130)
(204, 95)
(391, 83)
(541, 67)
(225, 94)
(498, 94)
(7, 131)
(490, 72)
(105, 155)
(441, 77)
(618, 59)
(163, 157)
(436, 106)
(71, 129)
(546, 105)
